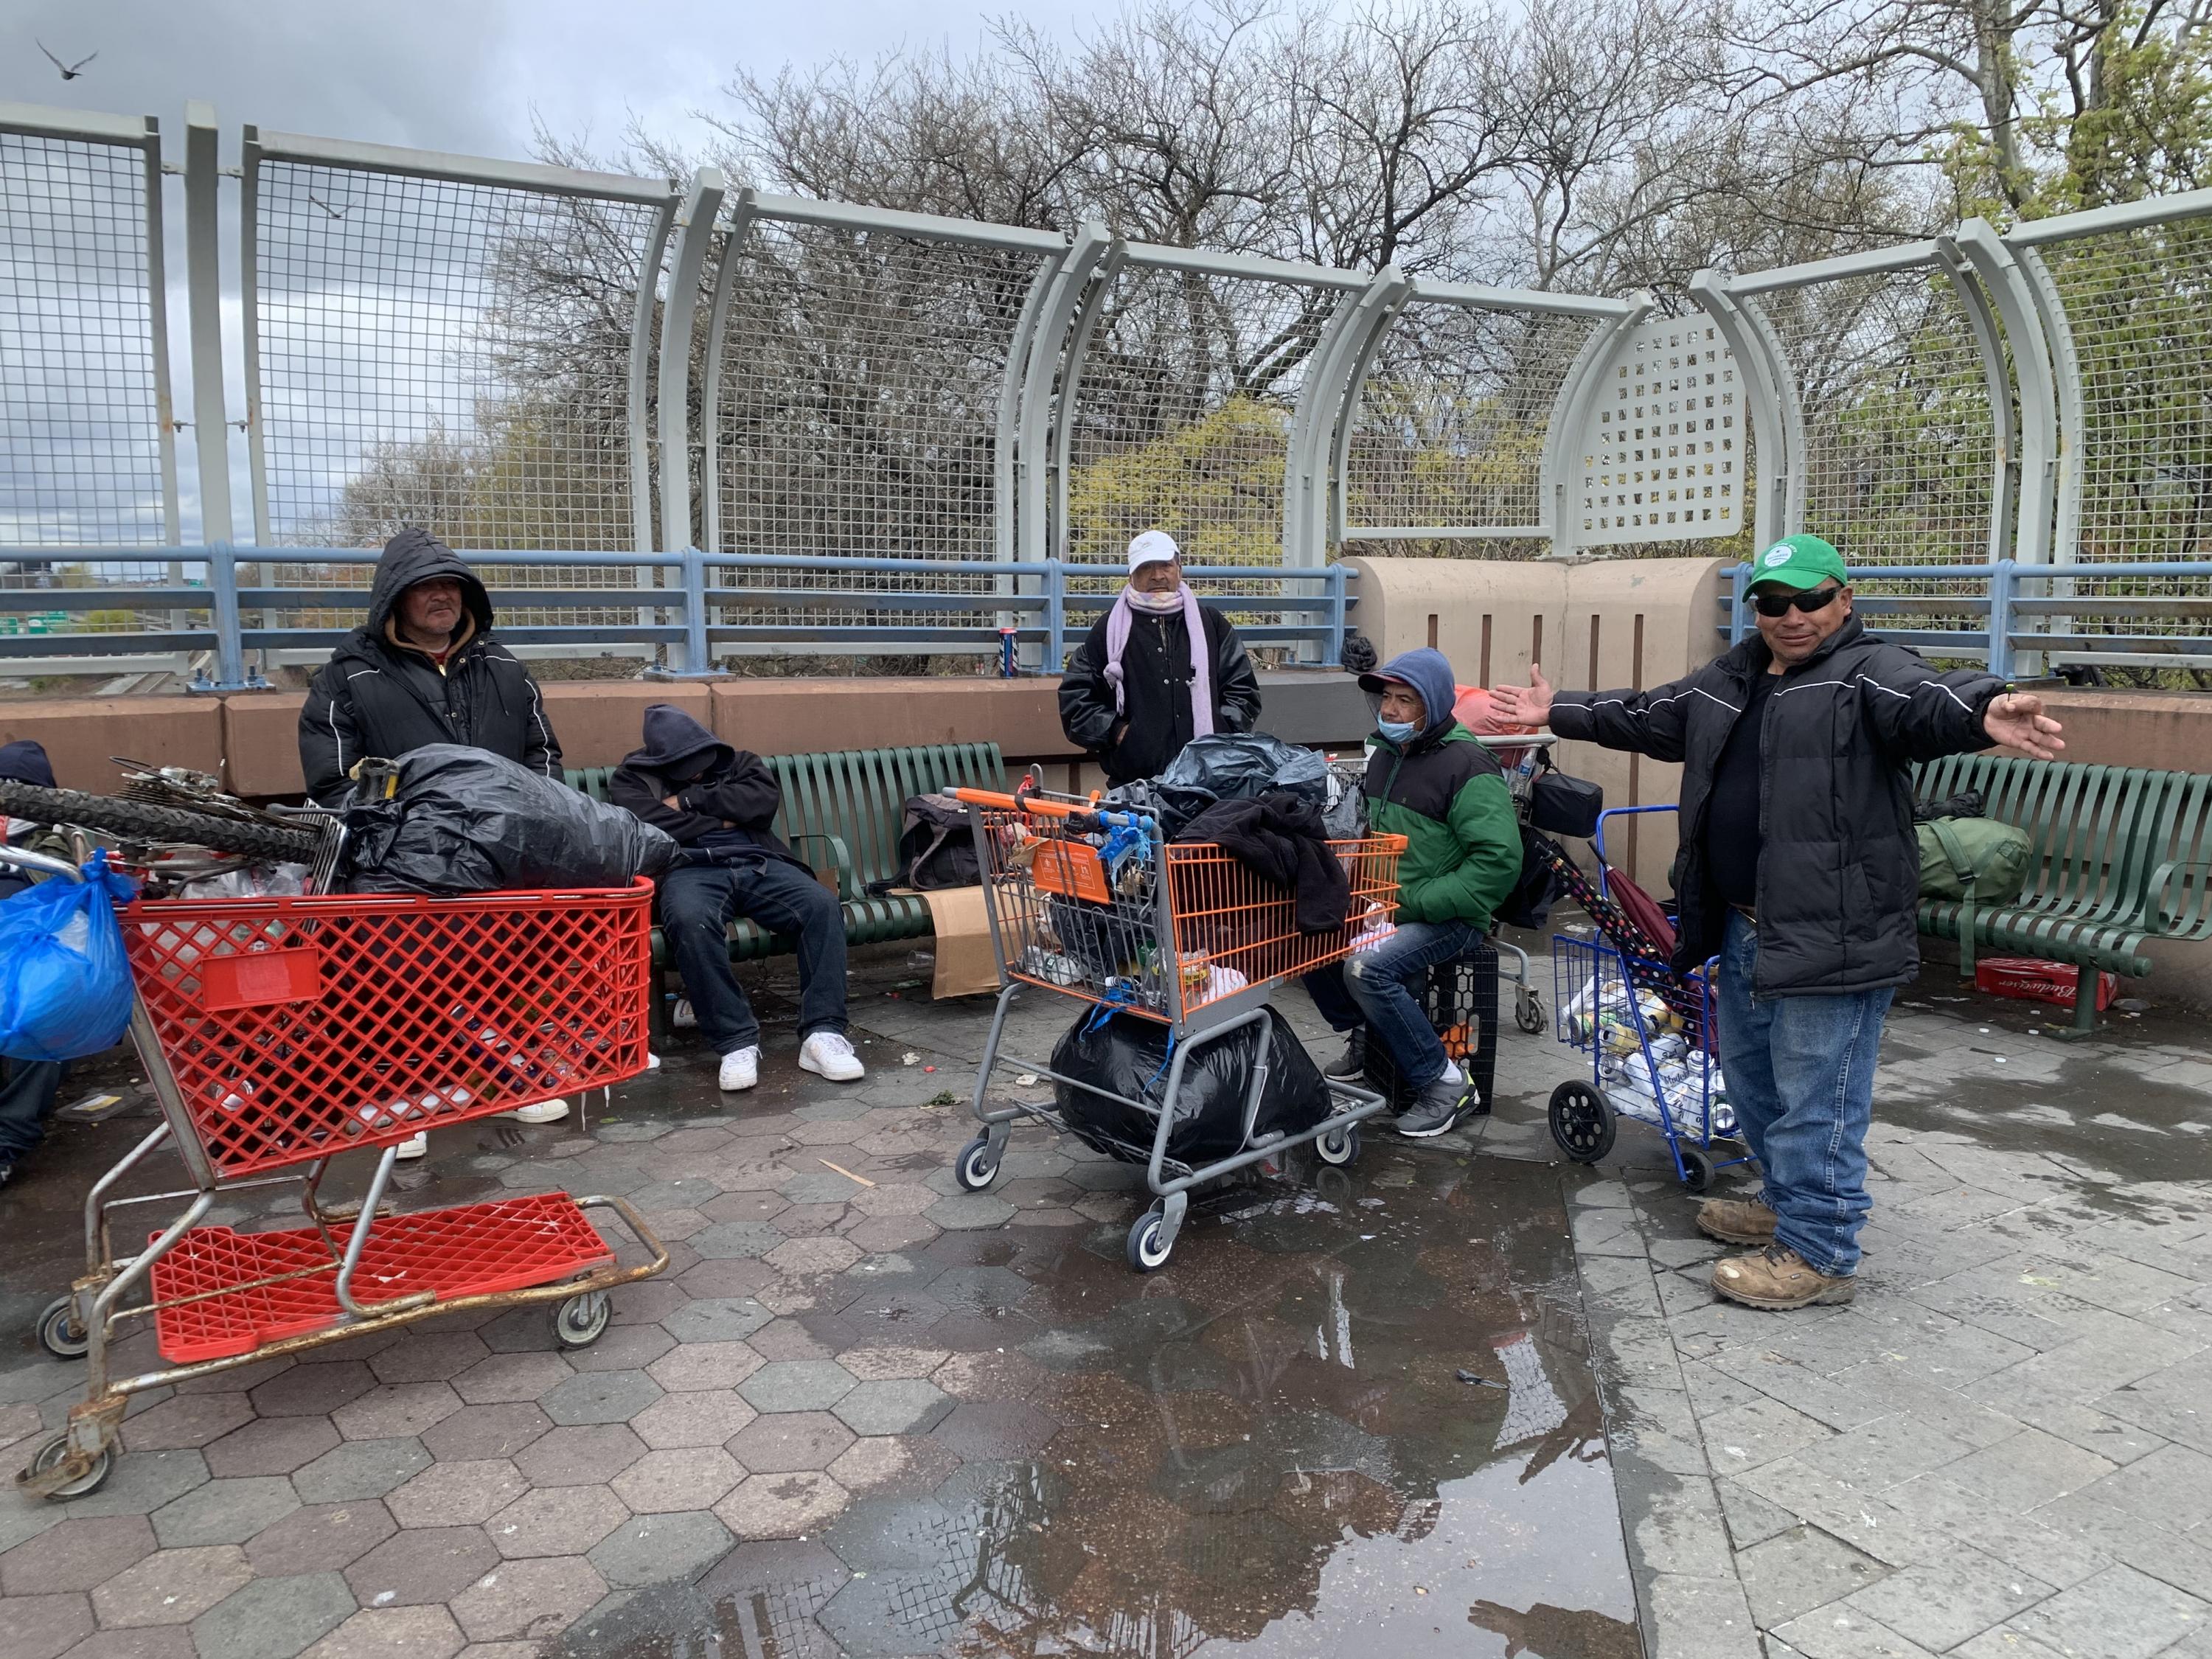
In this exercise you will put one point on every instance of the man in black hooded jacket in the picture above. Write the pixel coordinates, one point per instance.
(720, 803)
(425, 668)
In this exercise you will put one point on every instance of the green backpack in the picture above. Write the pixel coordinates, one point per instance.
(1978, 861)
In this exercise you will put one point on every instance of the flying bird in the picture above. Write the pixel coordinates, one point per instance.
(335, 213)
(70, 71)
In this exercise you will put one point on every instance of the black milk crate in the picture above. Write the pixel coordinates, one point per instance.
(1460, 999)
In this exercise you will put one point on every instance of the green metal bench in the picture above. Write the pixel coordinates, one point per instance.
(2120, 857)
(843, 812)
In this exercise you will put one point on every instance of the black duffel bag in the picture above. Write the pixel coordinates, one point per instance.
(936, 847)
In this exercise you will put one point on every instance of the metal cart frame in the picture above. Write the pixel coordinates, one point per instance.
(1192, 1027)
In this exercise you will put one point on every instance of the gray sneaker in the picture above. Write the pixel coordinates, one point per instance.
(1351, 1065)
(1440, 1106)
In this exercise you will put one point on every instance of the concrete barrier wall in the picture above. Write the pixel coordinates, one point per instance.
(1633, 623)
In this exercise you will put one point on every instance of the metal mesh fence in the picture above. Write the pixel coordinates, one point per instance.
(1900, 465)
(1451, 427)
(450, 354)
(2138, 304)
(81, 440)
(861, 378)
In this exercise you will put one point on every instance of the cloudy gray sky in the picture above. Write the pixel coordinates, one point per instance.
(459, 74)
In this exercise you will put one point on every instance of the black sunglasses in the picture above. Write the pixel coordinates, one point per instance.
(1780, 605)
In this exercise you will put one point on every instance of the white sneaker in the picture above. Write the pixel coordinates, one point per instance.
(415, 1145)
(546, 1111)
(683, 1017)
(652, 1061)
(831, 1055)
(740, 1070)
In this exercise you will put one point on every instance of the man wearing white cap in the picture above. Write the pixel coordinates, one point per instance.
(1155, 671)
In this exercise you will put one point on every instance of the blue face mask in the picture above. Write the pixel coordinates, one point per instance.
(1398, 731)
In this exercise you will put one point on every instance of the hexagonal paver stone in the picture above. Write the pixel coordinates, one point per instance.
(557, 1521)
(171, 1587)
(429, 1356)
(666, 1482)
(685, 1192)
(814, 1255)
(724, 1239)
(224, 1511)
(893, 1232)
(271, 1445)
(599, 1397)
(487, 1431)
(893, 1465)
(587, 1455)
(902, 1199)
(744, 1206)
(798, 1385)
(624, 1348)
(981, 1429)
(982, 1290)
(716, 1319)
(692, 1420)
(45, 1626)
(818, 1187)
(422, 1568)
(911, 1406)
(781, 1505)
(186, 1419)
(891, 1364)
(328, 1537)
(790, 1441)
(970, 1210)
(394, 1409)
(652, 1549)
(274, 1618)
(389, 1633)
(884, 1535)
(76, 1555)
(528, 1600)
(143, 1483)
(506, 1378)
(314, 1390)
(705, 1366)
(360, 1469)
(457, 1494)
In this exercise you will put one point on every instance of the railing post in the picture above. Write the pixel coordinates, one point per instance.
(1738, 588)
(229, 643)
(698, 658)
(1056, 615)
(203, 281)
(2002, 583)
(1333, 647)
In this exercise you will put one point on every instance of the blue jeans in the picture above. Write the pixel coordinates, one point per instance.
(696, 907)
(1380, 985)
(1800, 1074)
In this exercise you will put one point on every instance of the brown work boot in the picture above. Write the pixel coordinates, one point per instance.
(1736, 1220)
(1778, 1277)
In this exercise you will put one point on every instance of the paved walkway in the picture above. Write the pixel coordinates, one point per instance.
(1469, 1400)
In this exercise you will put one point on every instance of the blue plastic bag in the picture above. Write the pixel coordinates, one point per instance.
(64, 986)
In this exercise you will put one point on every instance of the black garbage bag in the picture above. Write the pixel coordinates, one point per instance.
(1128, 1054)
(1231, 766)
(463, 821)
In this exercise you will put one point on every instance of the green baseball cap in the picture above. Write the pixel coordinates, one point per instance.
(1799, 561)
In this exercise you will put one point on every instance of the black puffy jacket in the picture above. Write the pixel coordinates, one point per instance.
(725, 798)
(1839, 870)
(376, 696)
(1156, 681)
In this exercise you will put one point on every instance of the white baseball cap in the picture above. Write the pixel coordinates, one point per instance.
(1152, 547)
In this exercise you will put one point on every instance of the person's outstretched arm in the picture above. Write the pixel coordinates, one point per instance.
(1648, 722)
(1923, 715)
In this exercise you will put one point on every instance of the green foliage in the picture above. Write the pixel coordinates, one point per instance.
(1216, 485)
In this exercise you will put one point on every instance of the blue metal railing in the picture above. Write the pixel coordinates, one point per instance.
(2021, 613)
(1040, 604)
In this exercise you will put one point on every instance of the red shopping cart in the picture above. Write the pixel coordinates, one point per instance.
(278, 1033)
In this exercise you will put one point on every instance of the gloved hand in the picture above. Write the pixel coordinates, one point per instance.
(1359, 657)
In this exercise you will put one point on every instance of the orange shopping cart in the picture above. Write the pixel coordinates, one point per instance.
(1091, 904)
(279, 1032)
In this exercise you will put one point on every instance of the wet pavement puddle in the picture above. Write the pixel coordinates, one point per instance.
(1268, 1448)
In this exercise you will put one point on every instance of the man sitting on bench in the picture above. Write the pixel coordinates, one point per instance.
(720, 802)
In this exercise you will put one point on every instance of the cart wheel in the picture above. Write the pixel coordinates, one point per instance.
(1697, 1166)
(1528, 1012)
(1149, 1248)
(977, 1166)
(1582, 1123)
(59, 1332)
(582, 1320)
(58, 1448)
(1340, 1148)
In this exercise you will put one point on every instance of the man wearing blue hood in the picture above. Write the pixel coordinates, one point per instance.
(721, 802)
(1429, 780)
(28, 1087)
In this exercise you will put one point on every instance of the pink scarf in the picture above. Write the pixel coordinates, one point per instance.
(1119, 620)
